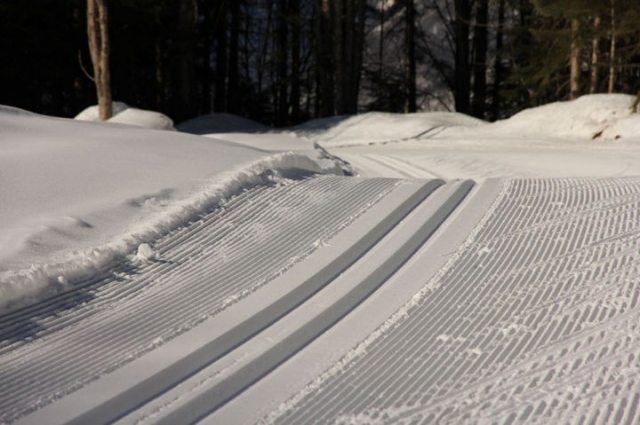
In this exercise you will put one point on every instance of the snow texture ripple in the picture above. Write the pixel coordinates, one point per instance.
(536, 322)
(53, 348)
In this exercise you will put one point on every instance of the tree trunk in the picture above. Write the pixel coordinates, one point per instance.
(462, 74)
(595, 47)
(206, 34)
(187, 72)
(282, 50)
(480, 43)
(324, 59)
(296, 24)
(612, 51)
(634, 107)
(98, 34)
(233, 65)
(159, 59)
(357, 56)
(220, 83)
(381, 88)
(339, 55)
(410, 59)
(574, 60)
(495, 102)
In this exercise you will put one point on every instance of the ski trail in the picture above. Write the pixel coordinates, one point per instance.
(190, 291)
(219, 382)
(200, 271)
(536, 322)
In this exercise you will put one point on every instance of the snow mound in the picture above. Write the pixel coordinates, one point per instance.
(583, 118)
(142, 118)
(91, 113)
(123, 114)
(375, 127)
(596, 116)
(625, 129)
(221, 123)
(146, 253)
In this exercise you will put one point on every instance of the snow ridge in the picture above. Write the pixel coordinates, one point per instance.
(19, 288)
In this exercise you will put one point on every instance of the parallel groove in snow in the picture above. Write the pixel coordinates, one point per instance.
(172, 295)
(544, 299)
(258, 356)
(149, 376)
(107, 293)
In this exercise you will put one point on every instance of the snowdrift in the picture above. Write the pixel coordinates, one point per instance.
(77, 196)
(374, 127)
(598, 116)
(123, 114)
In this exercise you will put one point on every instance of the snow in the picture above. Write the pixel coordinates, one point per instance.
(585, 118)
(76, 195)
(375, 127)
(79, 196)
(124, 114)
(71, 185)
(594, 135)
(146, 253)
(599, 116)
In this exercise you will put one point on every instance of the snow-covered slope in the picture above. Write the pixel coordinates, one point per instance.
(598, 116)
(80, 194)
(595, 135)
(592, 117)
(376, 127)
(221, 280)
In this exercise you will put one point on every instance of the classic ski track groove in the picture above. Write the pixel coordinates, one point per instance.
(537, 322)
(317, 209)
(258, 356)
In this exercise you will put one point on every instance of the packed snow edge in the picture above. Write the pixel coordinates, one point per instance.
(24, 287)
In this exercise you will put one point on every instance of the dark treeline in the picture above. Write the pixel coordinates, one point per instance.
(285, 61)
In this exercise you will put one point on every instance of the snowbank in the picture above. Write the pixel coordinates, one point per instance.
(376, 127)
(583, 118)
(624, 129)
(597, 116)
(77, 196)
(123, 114)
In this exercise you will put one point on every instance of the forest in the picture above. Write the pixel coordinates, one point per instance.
(282, 62)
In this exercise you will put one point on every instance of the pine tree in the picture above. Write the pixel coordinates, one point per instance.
(573, 20)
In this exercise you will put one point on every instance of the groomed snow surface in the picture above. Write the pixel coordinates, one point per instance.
(381, 268)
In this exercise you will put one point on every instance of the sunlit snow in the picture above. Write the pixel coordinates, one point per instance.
(240, 256)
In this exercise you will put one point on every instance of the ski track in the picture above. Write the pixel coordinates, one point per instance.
(536, 322)
(534, 319)
(437, 164)
(390, 166)
(55, 347)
